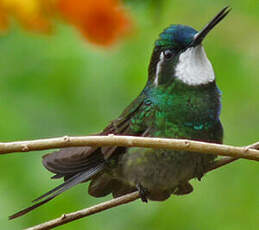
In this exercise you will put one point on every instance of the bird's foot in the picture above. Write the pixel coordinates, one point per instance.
(143, 192)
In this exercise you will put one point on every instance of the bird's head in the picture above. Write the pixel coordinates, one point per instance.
(178, 54)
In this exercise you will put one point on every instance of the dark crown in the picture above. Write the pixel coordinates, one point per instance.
(176, 36)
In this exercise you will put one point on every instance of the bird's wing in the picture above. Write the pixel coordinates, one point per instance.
(68, 161)
(79, 164)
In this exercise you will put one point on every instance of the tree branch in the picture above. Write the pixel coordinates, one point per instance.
(131, 141)
(233, 153)
(65, 218)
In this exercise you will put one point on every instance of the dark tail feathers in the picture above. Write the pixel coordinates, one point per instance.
(69, 183)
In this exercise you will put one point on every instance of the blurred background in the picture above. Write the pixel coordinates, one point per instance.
(66, 82)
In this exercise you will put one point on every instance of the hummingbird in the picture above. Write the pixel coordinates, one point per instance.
(180, 100)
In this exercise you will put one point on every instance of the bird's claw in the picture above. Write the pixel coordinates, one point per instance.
(142, 192)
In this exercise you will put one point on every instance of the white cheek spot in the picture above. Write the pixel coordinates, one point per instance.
(158, 68)
(194, 68)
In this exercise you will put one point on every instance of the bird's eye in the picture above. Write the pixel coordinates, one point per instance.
(168, 54)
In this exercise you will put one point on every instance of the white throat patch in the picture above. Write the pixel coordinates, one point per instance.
(194, 68)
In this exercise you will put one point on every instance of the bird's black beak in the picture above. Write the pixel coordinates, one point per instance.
(202, 34)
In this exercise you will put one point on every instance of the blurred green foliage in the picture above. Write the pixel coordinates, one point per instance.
(60, 85)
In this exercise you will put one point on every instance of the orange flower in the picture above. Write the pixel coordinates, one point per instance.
(100, 21)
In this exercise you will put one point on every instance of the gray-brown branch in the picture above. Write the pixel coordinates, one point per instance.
(130, 141)
(65, 218)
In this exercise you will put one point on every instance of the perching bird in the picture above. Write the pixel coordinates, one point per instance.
(180, 100)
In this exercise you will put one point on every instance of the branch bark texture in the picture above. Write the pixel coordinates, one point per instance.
(65, 218)
(130, 141)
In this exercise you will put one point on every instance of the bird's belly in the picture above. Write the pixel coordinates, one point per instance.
(159, 171)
